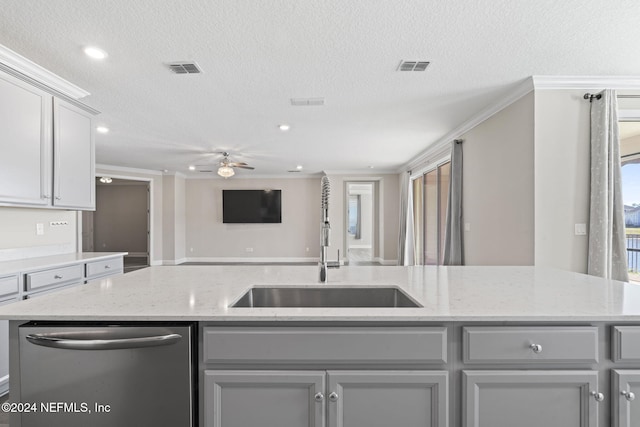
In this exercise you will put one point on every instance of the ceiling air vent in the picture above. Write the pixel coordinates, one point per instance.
(413, 65)
(293, 171)
(307, 102)
(189, 67)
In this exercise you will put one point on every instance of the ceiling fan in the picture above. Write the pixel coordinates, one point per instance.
(226, 166)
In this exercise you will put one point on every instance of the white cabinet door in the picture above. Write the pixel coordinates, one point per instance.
(74, 152)
(25, 143)
(388, 398)
(531, 398)
(264, 398)
(626, 397)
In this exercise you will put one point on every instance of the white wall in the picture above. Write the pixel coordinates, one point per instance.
(498, 187)
(208, 239)
(18, 237)
(562, 174)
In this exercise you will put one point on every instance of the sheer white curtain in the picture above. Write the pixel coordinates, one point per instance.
(453, 234)
(607, 246)
(405, 241)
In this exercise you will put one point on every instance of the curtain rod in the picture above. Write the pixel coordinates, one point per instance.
(591, 96)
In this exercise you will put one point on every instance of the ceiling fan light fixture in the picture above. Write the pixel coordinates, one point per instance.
(225, 171)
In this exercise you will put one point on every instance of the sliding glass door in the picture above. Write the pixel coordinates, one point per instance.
(430, 197)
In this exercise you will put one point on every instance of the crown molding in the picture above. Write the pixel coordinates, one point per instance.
(100, 168)
(439, 147)
(34, 71)
(215, 176)
(360, 172)
(585, 82)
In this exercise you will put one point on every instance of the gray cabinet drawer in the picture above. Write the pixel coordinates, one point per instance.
(56, 276)
(8, 287)
(240, 345)
(531, 345)
(626, 343)
(104, 268)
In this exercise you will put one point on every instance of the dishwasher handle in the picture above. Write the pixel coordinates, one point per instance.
(60, 341)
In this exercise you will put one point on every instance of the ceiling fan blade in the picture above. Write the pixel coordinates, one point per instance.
(233, 164)
(242, 167)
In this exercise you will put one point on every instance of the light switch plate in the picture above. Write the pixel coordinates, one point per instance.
(39, 229)
(467, 226)
(581, 229)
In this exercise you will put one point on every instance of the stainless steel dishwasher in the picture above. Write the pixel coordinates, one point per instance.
(106, 375)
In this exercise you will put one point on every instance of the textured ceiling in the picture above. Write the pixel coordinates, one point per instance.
(256, 55)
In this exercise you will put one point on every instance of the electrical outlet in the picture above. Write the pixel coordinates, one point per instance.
(307, 249)
(39, 229)
(467, 226)
(581, 229)
(249, 250)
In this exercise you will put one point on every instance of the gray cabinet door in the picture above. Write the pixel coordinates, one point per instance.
(264, 398)
(625, 389)
(74, 161)
(530, 398)
(388, 398)
(25, 143)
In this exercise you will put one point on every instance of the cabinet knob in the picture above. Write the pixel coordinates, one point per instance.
(107, 266)
(46, 196)
(57, 276)
(537, 348)
(333, 396)
(599, 397)
(629, 395)
(319, 397)
(58, 198)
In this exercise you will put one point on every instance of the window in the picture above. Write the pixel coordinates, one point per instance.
(430, 196)
(630, 156)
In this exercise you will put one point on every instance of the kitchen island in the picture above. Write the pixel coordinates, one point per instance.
(490, 346)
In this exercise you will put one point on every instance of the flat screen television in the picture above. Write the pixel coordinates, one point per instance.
(251, 206)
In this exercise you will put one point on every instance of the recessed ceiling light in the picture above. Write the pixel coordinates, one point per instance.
(371, 167)
(284, 127)
(106, 180)
(192, 168)
(95, 52)
(102, 129)
(299, 167)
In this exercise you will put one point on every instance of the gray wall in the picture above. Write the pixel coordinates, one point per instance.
(120, 219)
(562, 174)
(207, 238)
(498, 187)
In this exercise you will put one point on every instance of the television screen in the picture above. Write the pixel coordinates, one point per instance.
(251, 206)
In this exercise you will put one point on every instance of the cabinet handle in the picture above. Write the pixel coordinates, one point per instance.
(333, 396)
(58, 198)
(57, 276)
(537, 348)
(319, 397)
(107, 266)
(629, 395)
(599, 397)
(46, 196)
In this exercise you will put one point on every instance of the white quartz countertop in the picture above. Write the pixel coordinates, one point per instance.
(53, 261)
(204, 293)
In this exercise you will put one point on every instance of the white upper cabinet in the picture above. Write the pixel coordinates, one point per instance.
(73, 155)
(47, 154)
(25, 143)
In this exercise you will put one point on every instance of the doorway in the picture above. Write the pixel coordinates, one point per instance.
(121, 221)
(359, 231)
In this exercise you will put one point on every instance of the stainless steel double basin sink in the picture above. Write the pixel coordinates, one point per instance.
(325, 296)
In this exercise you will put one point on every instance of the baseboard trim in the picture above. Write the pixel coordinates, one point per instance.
(174, 261)
(359, 246)
(4, 385)
(386, 261)
(250, 260)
